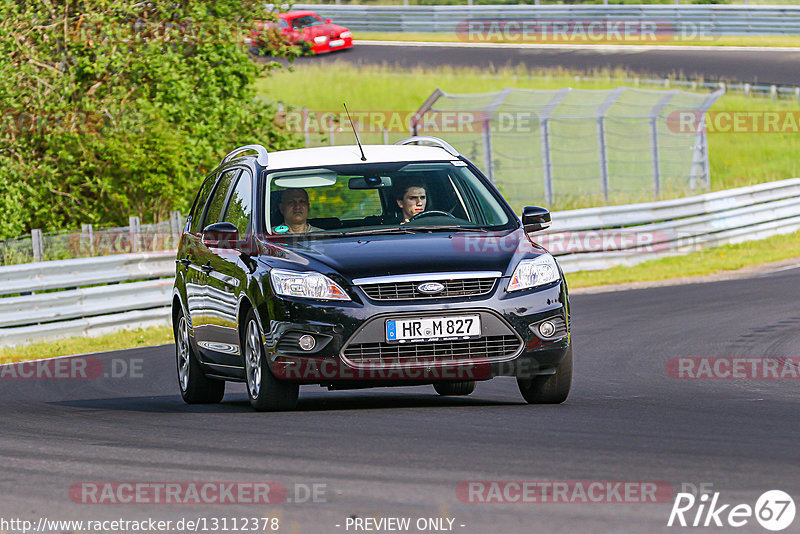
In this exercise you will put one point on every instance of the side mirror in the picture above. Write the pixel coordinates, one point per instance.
(221, 235)
(328, 21)
(535, 219)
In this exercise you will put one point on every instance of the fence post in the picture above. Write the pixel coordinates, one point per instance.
(700, 164)
(175, 227)
(655, 113)
(134, 231)
(331, 130)
(305, 127)
(87, 235)
(601, 136)
(654, 156)
(486, 136)
(385, 136)
(544, 126)
(37, 244)
(547, 164)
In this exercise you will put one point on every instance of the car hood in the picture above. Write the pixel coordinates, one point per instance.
(384, 255)
(328, 30)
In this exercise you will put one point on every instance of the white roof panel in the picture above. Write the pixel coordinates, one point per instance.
(347, 155)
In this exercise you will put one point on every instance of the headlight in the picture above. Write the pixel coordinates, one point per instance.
(321, 39)
(345, 35)
(310, 285)
(532, 273)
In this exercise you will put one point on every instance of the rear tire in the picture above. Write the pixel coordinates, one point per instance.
(195, 386)
(266, 393)
(549, 389)
(455, 388)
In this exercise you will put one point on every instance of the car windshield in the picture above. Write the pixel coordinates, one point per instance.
(382, 198)
(307, 20)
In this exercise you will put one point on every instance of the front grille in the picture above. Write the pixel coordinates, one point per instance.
(468, 287)
(436, 352)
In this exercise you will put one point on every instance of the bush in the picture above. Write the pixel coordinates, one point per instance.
(114, 108)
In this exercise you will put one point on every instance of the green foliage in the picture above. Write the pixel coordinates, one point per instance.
(111, 108)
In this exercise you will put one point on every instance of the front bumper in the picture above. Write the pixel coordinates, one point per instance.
(510, 344)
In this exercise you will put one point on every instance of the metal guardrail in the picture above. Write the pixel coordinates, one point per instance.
(601, 238)
(90, 296)
(711, 20)
(84, 297)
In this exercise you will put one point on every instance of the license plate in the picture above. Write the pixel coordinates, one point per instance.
(431, 328)
(336, 42)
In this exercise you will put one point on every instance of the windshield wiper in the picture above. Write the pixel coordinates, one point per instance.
(391, 230)
(450, 228)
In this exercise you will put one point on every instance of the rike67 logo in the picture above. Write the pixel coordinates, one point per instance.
(774, 510)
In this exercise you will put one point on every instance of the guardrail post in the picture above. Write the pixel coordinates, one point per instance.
(385, 136)
(87, 236)
(37, 244)
(134, 230)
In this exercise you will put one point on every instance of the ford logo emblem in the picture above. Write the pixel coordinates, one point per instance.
(430, 288)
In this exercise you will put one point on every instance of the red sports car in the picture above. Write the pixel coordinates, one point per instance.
(307, 29)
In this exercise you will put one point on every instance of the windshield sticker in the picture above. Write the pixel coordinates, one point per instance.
(282, 229)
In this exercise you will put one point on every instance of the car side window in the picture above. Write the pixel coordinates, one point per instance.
(200, 203)
(240, 205)
(215, 205)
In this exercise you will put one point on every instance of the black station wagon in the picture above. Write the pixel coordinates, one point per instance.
(399, 265)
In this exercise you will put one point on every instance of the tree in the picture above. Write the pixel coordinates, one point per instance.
(113, 108)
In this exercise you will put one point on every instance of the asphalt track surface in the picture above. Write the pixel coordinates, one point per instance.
(403, 452)
(754, 66)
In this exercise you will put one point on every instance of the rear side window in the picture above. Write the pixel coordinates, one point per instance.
(214, 209)
(200, 203)
(241, 204)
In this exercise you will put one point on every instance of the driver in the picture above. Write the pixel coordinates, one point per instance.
(412, 200)
(295, 208)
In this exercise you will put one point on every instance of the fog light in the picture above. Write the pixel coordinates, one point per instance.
(307, 342)
(547, 329)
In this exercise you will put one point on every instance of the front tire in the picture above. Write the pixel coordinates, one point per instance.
(549, 389)
(464, 387)
(195, 386)
(267, 393)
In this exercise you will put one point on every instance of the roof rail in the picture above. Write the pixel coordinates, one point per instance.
(262, 158)
(432, 140)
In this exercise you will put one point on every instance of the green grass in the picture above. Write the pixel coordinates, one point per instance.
(725, 40)
(704, 262)
(80, 345)
(736, 159)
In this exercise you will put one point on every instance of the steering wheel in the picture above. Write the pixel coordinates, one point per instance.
(432, 212)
